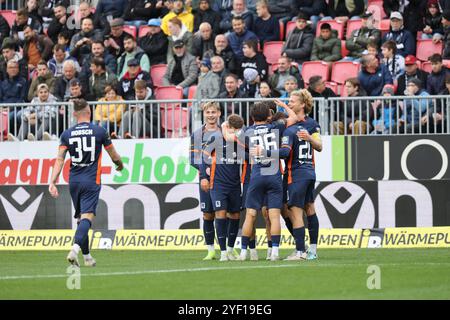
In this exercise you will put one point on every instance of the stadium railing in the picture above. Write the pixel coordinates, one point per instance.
(179, 118)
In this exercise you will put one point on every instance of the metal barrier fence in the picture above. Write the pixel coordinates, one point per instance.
(179, 118)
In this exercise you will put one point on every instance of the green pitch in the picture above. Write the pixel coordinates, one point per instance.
(339, 274)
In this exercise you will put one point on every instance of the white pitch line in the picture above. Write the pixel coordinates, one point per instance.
(125, 273)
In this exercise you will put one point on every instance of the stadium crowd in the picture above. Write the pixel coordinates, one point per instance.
(220, 49)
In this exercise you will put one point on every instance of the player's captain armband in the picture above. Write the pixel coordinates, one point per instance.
(285, 140)
(316, 136)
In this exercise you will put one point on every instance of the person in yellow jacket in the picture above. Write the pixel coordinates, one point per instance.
(109, 116)
(182, 12)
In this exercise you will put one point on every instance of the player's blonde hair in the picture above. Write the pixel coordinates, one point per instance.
(306, 98)
(210, 104)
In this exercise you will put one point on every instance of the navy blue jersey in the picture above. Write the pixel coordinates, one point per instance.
(268, 137)
(225, 159)
(199, 138)
(84, 143)
(299, 153)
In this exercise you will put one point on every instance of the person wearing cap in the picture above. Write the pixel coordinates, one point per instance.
(360, 38)
(203, 42)
(114, 40)
(133, 73)
(181, 12)
(132, 51)
(413, 110)
(299, 41)
(433, 21)
(238, 36)
(138, 12)
(182, 70)
(373, 75)
(178, 32)
(404, 39)
(204, 13)
(239, 10)
(326, 47)
(155, 43)
(314, 10)
(411, 71)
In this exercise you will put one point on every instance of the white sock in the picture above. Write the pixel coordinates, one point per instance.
(244, 253)
(210, 247)
(230, 249)
(299, 253)
(275, 251)
(76, 248)
(269, 251)
(87, 256)
(223, 253)
(313, 248)
(253, 251)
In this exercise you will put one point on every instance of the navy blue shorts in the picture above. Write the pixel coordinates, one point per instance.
(226, 199)
(285, 188)
(244, 194)
(84, 197)
(301, 193)
(271, 186)
(205, 202)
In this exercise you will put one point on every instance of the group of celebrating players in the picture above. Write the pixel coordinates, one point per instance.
(230, 155)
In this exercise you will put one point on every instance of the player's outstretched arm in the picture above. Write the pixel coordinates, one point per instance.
(57, 168)
(292, 117)
(115, 157)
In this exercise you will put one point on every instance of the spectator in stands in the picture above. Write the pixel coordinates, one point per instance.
(353, 119)
(290, 85)
(238, 36)
(9, 53)
(13, 89)
(132, 51)
(43, 76)
(36, 48)
(107, 10)
(208, 82)
(411, 71)
(62, 88)
(183, 14)
(134, 73)
(254, 60)
(314, 10)
(299, 42)
(5, 30)
(438, 115)
(114, 41)
(251, 82)
(100, 78)
(32, 8)
(55, 64)
(75, 91)
(265, 91)
(414, 15)
(342, 10)
(155, 43)
(178, 32)
(109, 116)
(433, 22)
(266, 26)
(182, 70)
(203, 42)
(80, 45)
(23, 20)
(285, 69)
(232, 91)
(218, 67)
(327, 47)
(373, 76)
(436, 80)
(223, 7)
(372, 48)
(40, 117)
(140, 120)
(46, 7)
(446, 38)
(406, 43)
(138, 12)
(385, 112)
(318, 89)
(97, 51)
(239, 10)
(410, 120)
(64, 40)
(204, 13)
(357, 43)
(394, 62)
(223, 50)
(59, 23)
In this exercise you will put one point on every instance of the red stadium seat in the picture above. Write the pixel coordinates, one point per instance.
(342, 70)
(191, 93)
(169, 93)
(376, 7)
(143, 30)
(9, 15)
(174, 119)
(157, 73)
(338, 26)
(333, 86)
(291, 25)
(272, 51)
(426, 66)
(281, 30)
(315, 68)
(352, 25)
(426, 48)
(131, 30)
(344, 51)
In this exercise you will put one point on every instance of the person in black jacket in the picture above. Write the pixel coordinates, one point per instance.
(342, 11)
(203, 42)
(299, 42)
(318, 89)
(9, 53)
(134, 73)
(204, 13)
(233, 92)
(313, 9)
(254, 60)
(46, 7)
(411, 71)
(436, 80)
(4, 29)
(23, 20)
(59, 23)
(223, 50)
(155, 43)
(138, 12)
(433, 21)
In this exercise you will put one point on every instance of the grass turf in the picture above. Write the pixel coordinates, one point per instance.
(338, 274)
